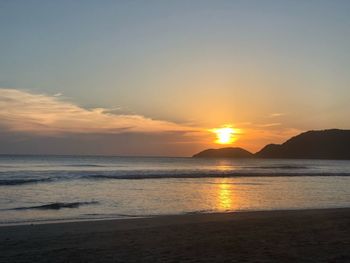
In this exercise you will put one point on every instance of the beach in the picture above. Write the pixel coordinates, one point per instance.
(314, 235)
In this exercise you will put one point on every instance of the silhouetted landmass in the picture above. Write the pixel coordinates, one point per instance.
(327, 144)
(229, 152)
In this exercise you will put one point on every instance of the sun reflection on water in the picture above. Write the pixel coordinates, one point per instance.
(225, 200)
(224, 166)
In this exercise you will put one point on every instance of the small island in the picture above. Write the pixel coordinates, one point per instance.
(228, 152)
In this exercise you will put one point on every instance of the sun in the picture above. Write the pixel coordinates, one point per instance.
(225, 135)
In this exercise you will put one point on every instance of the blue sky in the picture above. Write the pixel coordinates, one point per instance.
(197, 64)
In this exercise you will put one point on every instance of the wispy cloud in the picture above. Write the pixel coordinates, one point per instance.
(42, 114)
(276, 114)
(269, 124)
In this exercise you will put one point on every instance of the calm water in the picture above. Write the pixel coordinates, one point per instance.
(37, 188)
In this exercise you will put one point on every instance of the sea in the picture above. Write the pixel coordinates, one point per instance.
(41, 189)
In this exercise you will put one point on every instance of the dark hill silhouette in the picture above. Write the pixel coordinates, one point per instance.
(229, 152)
(326, 144)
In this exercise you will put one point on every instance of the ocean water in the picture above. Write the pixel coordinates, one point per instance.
(56, 188)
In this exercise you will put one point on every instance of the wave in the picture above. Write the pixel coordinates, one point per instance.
(84, 165)
(82, 175)
(23, 181)
(209, 175)
(198, 212)
(279, 167)
(55, 206)
(227, 183)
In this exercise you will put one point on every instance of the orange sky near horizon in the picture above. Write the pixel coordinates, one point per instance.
(46, 116)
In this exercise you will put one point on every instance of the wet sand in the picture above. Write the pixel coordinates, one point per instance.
(272, 236)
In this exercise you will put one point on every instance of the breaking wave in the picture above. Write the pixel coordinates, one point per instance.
(119, 175)
(209, 175)
(280, 167)
(55, 206)
(23, 181)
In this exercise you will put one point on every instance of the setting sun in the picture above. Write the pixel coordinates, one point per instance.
(225, 135)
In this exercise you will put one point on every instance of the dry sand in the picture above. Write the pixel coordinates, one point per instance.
(277, 236)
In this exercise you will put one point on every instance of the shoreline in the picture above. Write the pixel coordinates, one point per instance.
(313, 235)
(135, 217)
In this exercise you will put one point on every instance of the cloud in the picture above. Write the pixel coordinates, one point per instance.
(269, 124)
(22, 111)
(277, 114)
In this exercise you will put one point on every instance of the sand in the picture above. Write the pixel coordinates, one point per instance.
(271, 236)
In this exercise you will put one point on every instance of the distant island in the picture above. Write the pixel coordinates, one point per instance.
(326, 144)
(228, 152)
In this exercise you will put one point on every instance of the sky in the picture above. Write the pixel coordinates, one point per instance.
(155, 77)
